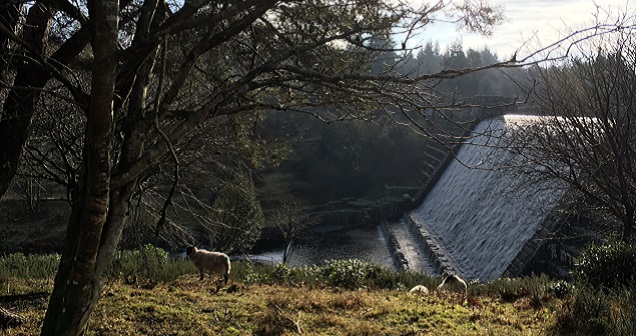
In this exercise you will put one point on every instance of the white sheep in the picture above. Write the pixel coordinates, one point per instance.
(419, 289)
(454, 281)
(215, 262)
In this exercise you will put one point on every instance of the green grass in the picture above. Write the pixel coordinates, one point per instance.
(148, 293)
(188, 306)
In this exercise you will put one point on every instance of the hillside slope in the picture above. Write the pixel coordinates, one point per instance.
(189, 307)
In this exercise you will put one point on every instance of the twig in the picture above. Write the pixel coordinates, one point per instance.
(279, 310)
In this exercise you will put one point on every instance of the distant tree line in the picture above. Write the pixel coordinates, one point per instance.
(331, 161)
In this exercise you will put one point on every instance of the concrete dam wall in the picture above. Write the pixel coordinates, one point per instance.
(475, 220)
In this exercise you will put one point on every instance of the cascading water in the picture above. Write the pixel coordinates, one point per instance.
(476, 212)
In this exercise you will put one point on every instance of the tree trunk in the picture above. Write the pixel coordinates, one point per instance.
(90, 244)
(9, 19)
(77, 286)
(287, 252)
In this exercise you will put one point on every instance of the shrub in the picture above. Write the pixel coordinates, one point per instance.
(349, 274)
(281, 274)
(604, 301)
(611, 265)
(622, 319)
(149, 262)
(594, 311)
(560, 289)
(32, 266)
(511, 289)
(586, 313)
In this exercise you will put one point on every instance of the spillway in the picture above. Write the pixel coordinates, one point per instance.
(476, 213)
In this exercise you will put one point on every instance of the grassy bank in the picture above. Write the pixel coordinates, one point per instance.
(187, 306)
(147, 293)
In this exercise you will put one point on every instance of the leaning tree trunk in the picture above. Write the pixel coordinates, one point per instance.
(88, 245)
(288, 251)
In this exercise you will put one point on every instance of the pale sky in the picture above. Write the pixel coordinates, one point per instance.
(542, 20)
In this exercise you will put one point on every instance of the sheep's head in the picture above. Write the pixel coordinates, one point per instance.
(190, 249)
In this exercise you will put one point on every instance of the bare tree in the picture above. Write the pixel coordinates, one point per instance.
(237, 218)
(586, 136)
(53, 152)
(159, 70)
(292, 219)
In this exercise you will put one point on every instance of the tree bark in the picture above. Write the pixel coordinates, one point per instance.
(89, 246)
(10, 18)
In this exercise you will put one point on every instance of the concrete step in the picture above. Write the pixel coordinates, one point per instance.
(406, 249)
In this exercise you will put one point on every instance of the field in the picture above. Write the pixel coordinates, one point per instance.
(147, 293)
(187, 306)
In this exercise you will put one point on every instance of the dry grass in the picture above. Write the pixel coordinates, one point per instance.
(190, 307)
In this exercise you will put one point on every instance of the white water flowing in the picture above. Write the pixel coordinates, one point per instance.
(478, 215)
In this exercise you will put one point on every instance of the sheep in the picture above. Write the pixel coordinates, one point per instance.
(419, 289)
(215, 262)
(454, 281)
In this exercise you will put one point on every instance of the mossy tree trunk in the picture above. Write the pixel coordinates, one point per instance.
(89, 245)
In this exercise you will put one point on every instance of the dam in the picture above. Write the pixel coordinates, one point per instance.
(476, 218)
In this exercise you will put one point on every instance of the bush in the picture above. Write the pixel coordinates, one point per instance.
(611, 265)
(350, 274)
(149, 262)
(512, 289)
(32, 266)
(587, 313)
(561, 289)
(623, 313)
(604, 302)
(595, 311)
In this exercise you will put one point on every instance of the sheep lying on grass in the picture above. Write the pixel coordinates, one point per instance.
(456, 283)
(215, 262)
(419, 289)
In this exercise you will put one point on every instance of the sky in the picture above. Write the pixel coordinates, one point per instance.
(541, 21)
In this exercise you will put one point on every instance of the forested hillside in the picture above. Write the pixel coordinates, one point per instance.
(355, 158)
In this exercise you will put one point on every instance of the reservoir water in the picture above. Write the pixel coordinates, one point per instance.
(351, 242)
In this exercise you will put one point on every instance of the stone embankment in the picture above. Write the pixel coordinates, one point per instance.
(407, 248)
